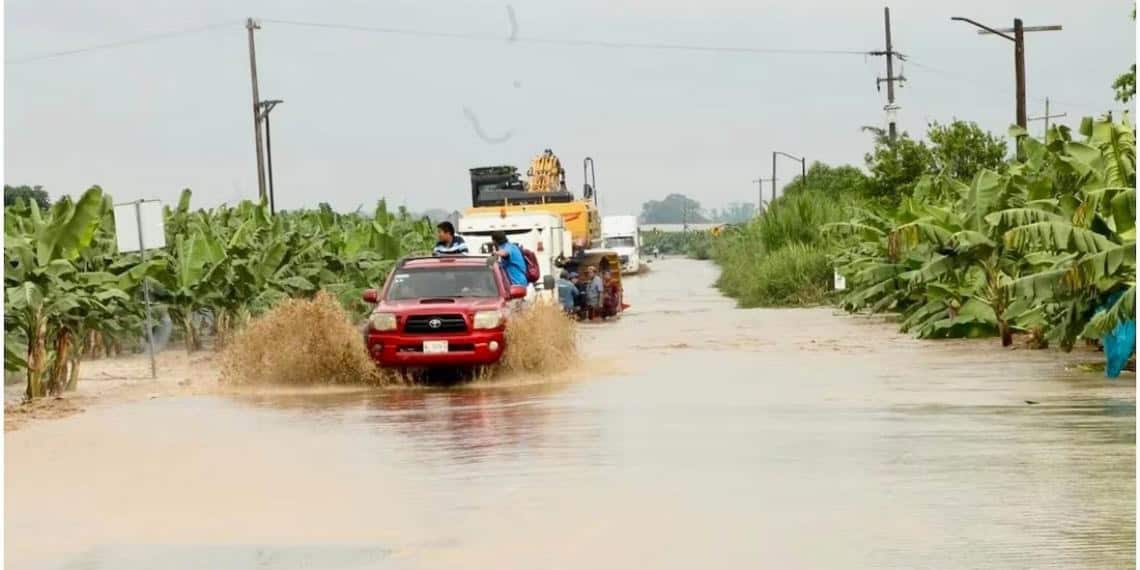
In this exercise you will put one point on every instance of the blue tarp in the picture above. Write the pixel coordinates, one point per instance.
(1119, 343)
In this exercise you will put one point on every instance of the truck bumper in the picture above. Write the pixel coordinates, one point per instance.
(470, 349)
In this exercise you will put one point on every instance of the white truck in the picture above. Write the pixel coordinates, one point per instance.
(543, 233)
(620, 234)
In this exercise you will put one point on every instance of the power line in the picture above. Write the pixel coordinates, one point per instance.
(122, 43)
(469, 36)
(563, 41)
(960, 77)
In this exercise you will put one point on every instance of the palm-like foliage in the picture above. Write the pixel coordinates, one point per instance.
(66, 284)
(1036, 248)
(44, 291)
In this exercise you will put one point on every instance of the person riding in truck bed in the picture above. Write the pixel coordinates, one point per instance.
(449, 243)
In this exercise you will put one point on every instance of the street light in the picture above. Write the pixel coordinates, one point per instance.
(759, 195)
(803, 169)
(266, 107)
(1018, 39)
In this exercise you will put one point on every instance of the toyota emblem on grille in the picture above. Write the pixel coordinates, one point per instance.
(435, 323)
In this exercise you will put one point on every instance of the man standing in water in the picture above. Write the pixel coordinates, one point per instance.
(449, 243)
(567, 293)
(510, 259)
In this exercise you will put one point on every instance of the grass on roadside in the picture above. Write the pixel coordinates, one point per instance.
(781, 258)
(793, 275)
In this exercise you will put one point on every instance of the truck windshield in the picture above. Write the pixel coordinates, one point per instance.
(442, 282)
(619, 241)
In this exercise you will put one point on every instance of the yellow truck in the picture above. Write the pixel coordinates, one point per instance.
(500, 190)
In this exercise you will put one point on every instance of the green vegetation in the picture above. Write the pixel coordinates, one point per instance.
(1125, 85)
(798, 274)
(680, 209)
(1035, 249)
(958, 241)
(831, 180)
(69, 294)
(674, 209)
(693, 243)
(37, 194)
(762, 264)
(958, 150)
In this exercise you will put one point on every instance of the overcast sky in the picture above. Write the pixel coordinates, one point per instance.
(370, 115)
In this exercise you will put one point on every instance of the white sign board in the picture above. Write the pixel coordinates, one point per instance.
(127, 218)
(840, 282)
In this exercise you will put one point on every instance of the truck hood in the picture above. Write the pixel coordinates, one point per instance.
(441, 305)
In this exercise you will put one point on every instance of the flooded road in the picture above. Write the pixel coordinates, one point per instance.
(700, 436)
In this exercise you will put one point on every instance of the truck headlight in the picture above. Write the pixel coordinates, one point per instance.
(487, 319)
(383, 321)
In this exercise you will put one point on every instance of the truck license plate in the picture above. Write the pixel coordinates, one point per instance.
(435, 346)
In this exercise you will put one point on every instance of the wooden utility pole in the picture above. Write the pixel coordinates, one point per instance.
(1019, 69)
(1047, 116)
(1018, 38)
(891, 78)
(250, 26)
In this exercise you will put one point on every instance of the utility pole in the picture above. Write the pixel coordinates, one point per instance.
(1019, 70)
(891, 78)
(1047, 116)
(773, 179)
(803, 169)
(264, 108)
(760, 193)
(1018, 38)
(250, 26)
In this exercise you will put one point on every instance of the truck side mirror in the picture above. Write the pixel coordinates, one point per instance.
(517, 292)
(371, 296)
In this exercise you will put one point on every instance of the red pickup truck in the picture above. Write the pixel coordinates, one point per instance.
(440, 312)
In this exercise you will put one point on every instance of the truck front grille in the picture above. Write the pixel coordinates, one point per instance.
(423, 324)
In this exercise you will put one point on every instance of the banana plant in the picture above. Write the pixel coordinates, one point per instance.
(1037, 248)
(187, 280)
(1091, 244)
(99, 302)
(66, 284)
(41, 252)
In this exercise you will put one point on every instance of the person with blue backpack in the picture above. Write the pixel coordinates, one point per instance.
(510, 259)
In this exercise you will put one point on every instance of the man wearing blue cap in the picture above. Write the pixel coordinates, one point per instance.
(567, 293)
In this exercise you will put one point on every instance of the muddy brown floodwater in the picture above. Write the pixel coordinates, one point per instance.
(703, 436)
